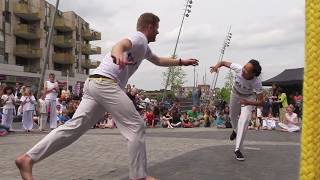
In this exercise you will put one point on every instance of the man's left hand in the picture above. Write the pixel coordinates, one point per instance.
(189, 62)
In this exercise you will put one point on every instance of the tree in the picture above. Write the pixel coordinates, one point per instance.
(225, 92)
(176, 79)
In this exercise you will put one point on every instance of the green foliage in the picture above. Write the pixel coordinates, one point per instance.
(225, 92)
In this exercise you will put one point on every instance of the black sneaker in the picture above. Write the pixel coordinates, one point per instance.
(233, 135)
(239, 155)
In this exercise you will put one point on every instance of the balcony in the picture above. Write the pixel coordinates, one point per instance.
(63, 25)
(27, 32)
(63, 41)
(88, 64)
(91, 35)
(26, 51)
(89, 50)
(63, 58)
(26, 12)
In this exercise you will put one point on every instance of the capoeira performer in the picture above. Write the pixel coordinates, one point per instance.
(243, 98)
(104, 92)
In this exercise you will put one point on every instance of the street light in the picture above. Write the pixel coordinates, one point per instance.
(226, 43)
(187, 11)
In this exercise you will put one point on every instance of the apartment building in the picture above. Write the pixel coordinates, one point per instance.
(24, 30)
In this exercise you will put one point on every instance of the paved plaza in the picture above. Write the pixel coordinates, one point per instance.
(173, 154)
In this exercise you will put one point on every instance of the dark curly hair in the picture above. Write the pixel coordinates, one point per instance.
(256, 67)
(7, 88)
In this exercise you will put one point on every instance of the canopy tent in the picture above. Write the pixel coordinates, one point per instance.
(288, 77)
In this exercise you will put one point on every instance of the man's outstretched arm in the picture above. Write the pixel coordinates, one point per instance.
(166, 61)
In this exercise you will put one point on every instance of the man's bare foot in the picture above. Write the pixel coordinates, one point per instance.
(24, 163)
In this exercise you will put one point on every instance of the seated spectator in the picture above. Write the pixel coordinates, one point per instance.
(195, 117)
(227, 118)
(206, 118)
(4, 130)
(63, 117)
(166, 120)
(269, 123)
(186, 123)
(109, 123)
(290, 123)
(149, 117)
(220, 121)
(254, 122)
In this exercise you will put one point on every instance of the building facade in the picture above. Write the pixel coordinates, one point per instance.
(24, 30)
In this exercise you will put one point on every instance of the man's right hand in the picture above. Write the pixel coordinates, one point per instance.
(121, 60)
(215, 68)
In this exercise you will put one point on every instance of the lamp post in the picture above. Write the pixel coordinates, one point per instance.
(186, 13)
(226, 43)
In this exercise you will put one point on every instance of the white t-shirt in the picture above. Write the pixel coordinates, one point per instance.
(53, 94)
(140, 50)
(243, 86)
(30, 101)
(9, 103)
(291, 118)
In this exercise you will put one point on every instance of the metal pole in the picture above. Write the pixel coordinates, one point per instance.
(221, 57)
(175, 49)
(43, 70)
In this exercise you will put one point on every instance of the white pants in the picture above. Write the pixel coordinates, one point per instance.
(269, 123)
(289, 127)
(240, 116)
(27, 120)
(43, 121)
(7, 117)
(53, 112)
(100, 96)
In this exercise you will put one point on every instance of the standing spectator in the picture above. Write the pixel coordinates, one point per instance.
(51, 89)
(27, 103)
(266, 107)
(298, 100)
(8, 101)
(128, 89)
(42, 111)
(274, 98)
(282, 99)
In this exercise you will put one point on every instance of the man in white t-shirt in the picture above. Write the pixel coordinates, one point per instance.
(246, 89)
(51, 89)
(104, 92)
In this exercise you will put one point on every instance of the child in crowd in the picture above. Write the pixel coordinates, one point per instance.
(8, 102)
(27, 102)
(227, 118)
(290, 123)
(109, 123)
(42, 112)
(220, 122)
(206, 118)
(149, 118)
(254, 121)
(185, 121)
(269, 123)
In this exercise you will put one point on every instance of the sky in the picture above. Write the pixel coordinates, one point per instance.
(269, 31)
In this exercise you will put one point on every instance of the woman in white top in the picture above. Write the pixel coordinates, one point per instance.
(291, 120)
(246, 89)
(8, 101)
(27, 102)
